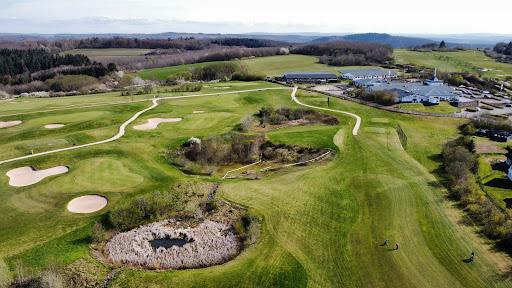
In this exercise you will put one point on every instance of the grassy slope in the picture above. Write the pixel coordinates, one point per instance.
(442, 108)
(269, 66)
(322, 224)
(460, 61)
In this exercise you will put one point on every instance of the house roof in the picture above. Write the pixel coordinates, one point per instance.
(367, 72)
(310, 75)
(416, 88)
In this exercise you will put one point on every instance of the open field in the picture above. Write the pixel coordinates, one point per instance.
(460, 61)
(268, 66)
(442, 108)
(108, 52)
(322, 223)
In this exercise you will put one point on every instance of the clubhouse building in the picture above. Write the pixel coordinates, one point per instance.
(430, 92)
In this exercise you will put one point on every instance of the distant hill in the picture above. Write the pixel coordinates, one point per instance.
(393, 41)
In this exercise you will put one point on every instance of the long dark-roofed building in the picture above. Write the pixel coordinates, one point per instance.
(309, 77)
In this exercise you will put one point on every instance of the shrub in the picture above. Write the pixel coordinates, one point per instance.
(215, 71)
(146, 208)
(187, 87)
(66, 83)
(281, 115)
(460, 166)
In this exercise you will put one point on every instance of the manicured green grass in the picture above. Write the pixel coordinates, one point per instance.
(322, 223)
(442, 108)
(269, 66)
(108, 52)
(460, 61)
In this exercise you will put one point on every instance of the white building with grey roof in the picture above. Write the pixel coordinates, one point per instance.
(376, 73)
(412, 92)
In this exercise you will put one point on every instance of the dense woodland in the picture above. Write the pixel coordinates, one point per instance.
(15, 62)
(344, 53)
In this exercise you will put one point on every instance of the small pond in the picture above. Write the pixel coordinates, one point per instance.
(169, 242)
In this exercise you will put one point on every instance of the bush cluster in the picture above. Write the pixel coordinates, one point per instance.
(492, 123)
(273, 116)
(379, 97)
(147, 208)
(460, 167)
(70, 82)
(342, 53)
(187, 87)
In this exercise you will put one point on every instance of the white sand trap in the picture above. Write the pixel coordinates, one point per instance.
(87, 204)
(198, 112)
(154, 122)
(53, 126)
(26, 176)
(9, 123)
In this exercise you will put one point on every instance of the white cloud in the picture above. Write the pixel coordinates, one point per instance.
(394, 16)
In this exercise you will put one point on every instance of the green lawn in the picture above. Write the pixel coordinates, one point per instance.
(460, 61)
(269, 66)
(442, 108)
(108, 52)
(322, 223)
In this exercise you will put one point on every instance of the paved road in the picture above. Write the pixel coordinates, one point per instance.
(355, 130)
(122, 128)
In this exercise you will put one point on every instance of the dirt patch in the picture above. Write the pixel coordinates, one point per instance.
(53, 126)
(26, 176)
(198, 112)
(487, 147)
(6, 124)
(87, 204)
(154, 122)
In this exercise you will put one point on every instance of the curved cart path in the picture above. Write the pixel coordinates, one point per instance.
(122, 128)
(355, 130)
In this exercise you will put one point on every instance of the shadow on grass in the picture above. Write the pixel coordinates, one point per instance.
(503, 183)
(82, 241)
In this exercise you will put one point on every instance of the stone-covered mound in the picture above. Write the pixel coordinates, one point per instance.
(209, 243)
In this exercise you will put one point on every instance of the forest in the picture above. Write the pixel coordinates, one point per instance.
(345, 53)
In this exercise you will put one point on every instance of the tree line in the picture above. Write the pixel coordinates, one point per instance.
(461, 167)
(345, 53)
(24, 66)
(14, 62)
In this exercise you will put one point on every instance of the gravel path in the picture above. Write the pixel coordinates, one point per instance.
(355, 130)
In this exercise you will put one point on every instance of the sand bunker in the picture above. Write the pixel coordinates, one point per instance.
(198, 112)
(87, 204)
(154, 122)
(9, 123)
(53, 126)
(26, 176)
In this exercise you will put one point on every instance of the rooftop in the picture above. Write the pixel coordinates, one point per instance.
(368, 72)
(310, 75)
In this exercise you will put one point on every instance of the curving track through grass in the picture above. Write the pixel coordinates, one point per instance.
(122, 128)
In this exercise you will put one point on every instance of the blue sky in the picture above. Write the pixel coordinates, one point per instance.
(232, 16)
